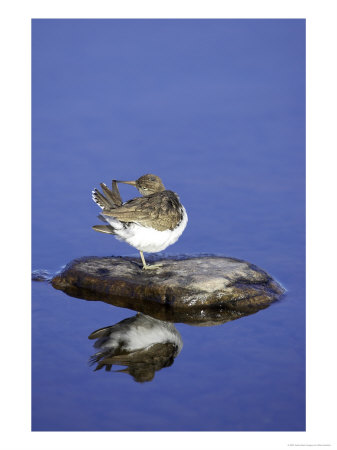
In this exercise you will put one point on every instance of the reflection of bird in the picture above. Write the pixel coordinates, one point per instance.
(141, 343)
(149, 223)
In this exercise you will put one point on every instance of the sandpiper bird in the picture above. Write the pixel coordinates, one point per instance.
(149, 223)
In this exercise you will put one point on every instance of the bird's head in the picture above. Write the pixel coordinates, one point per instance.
(147, 184)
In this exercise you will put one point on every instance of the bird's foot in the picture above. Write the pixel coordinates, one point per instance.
(146, 266)
(153, 266)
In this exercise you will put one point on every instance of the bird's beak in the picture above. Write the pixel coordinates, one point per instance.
(133, 183)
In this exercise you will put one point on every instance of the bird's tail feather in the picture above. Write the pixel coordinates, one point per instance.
(104, 229)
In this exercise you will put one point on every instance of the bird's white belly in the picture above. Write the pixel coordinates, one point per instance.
(147, 239)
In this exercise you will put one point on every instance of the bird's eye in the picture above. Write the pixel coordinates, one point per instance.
(145, 189)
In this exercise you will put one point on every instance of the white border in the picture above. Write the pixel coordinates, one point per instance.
(321, 219)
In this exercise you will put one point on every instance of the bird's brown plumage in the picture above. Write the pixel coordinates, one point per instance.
(161, 211)
(112, 197)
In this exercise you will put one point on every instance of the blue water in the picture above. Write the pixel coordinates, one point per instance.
(216, 108)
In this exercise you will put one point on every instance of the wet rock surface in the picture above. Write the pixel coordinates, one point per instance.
(203, 290)
(41, 275)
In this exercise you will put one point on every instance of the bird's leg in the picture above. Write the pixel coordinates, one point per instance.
(146, 266)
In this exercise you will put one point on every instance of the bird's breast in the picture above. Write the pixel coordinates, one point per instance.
(148, 239)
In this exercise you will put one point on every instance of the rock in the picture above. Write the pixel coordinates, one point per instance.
(41, 275)
(191, 289)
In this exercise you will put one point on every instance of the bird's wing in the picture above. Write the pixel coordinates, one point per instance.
(110, 199)
(116, 196)
(161, 211)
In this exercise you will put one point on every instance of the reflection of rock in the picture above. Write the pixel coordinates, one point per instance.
(141, 343)
(177, 290)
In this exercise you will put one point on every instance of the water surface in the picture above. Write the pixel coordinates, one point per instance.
(217, 109)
